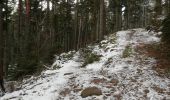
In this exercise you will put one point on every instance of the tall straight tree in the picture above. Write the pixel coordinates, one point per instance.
(115, 9)
(167, 6)
(158, 7)
(27, 28)
(1, 41)
(27, 3)
(20, 15)
(76, 35)
(102, 26)
(5, 36)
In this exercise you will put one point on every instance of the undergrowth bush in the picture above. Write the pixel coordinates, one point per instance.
(127, 52)
(89, 57)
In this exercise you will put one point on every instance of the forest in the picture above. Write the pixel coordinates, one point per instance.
(33, 31)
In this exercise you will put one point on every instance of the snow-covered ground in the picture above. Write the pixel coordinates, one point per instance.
(118, 77)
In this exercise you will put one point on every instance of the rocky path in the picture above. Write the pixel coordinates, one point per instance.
(120, 74)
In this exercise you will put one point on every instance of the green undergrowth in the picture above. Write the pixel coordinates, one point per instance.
(112, 40)
(127, 52)
(88, 56)
(69, 55)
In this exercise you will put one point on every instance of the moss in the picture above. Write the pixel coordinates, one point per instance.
(127, 52)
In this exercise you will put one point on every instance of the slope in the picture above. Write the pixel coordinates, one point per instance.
(120, 73)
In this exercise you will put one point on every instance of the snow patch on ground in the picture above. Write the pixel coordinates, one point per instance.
(135, 77)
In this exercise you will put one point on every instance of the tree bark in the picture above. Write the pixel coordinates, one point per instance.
(1, 41)
(75, 40)
(102, 20)
(5, 38)
(158, 7)
(27, 8)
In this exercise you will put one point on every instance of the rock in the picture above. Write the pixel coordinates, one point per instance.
(77, 90)
(133, 80)
(72, 78)
(146, 91)
(11, 86)
(68, 74)
(98, 81)
(34, 91)
(108, 94)
(168, 93)
(65, 92)
(158, 89)
(117, 95)
(114, 82)
(139, 71)
(2, 94)
(90, 91)
(109, 85)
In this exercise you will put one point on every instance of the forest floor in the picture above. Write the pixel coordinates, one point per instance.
(127, 65)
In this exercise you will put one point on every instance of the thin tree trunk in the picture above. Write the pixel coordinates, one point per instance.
(76, 26)
(102, 24)
(79, 34)
(20, 40)
(5, 59)
(1, 42)
(27, 8)
(97, 27)
(158, 7)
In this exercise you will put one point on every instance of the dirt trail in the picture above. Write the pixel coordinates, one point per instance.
(120, 74)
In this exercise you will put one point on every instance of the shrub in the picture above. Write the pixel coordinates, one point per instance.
(89, 57)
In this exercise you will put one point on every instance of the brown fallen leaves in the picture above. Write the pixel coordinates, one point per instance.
(161, 52)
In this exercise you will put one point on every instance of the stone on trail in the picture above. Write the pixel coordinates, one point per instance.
(90, 91)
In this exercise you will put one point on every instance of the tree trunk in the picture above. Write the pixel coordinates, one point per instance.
(75, 26)
(97, 27)
(102, 20)
(20, 34)
(158, 7)
(1, 41)
(79, 34)
(27, 8)
(5, 38)
(167, 7)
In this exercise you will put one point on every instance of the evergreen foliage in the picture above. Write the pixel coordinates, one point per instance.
(89, 57)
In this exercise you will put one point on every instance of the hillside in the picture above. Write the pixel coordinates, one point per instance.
(110, 70)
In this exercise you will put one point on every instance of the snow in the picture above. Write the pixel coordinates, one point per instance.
(134, 73)
(95, 66)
